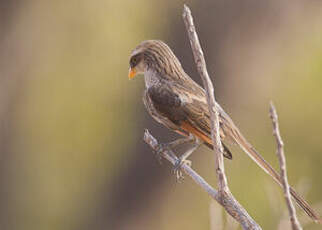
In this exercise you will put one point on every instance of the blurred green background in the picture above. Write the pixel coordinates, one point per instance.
(71, 148)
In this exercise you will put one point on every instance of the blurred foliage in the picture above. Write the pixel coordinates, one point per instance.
(72, 122)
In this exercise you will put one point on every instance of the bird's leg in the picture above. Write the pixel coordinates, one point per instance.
(173, 144)
(183, 159)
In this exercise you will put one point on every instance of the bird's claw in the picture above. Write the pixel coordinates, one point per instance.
(177, 168)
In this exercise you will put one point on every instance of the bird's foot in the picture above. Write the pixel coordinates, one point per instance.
(177, 168)
(174, 144)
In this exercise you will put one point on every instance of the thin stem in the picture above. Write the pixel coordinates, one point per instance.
(214, 117)
(282, 162)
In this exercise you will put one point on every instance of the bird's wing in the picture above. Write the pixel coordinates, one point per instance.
(184, 107)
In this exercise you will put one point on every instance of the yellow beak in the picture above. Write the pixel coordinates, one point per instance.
(132, 73)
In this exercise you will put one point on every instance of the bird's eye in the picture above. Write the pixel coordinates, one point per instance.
(134, 61)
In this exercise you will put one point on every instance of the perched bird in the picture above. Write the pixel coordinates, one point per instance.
(173, 99)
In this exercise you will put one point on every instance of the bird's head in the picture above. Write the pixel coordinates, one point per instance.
(154, 55)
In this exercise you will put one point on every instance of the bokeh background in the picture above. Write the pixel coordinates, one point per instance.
(71, 148)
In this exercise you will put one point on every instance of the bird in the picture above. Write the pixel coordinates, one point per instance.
(176, 101)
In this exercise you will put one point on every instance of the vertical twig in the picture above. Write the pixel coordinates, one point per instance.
(282, 162)
(214, 119)
(227, 200)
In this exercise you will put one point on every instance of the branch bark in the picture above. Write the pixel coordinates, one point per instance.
(282, 162)
(227, 201)
(214, 116)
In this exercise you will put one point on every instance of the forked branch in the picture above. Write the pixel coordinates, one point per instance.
(227, 201)
(223, 196)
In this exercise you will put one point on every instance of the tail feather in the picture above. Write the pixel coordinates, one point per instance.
(262, 163)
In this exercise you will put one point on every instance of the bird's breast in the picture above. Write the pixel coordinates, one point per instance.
(151, 78)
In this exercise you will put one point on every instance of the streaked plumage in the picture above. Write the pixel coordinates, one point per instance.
(176, 101)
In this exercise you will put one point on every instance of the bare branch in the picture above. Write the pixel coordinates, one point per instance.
(232, 207)
(225, 199)
(214, 119)
(281, 157)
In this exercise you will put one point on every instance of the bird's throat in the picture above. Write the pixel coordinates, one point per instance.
(151, 78)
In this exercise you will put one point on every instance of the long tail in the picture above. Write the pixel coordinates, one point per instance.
(261, 162)
(232, 133)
